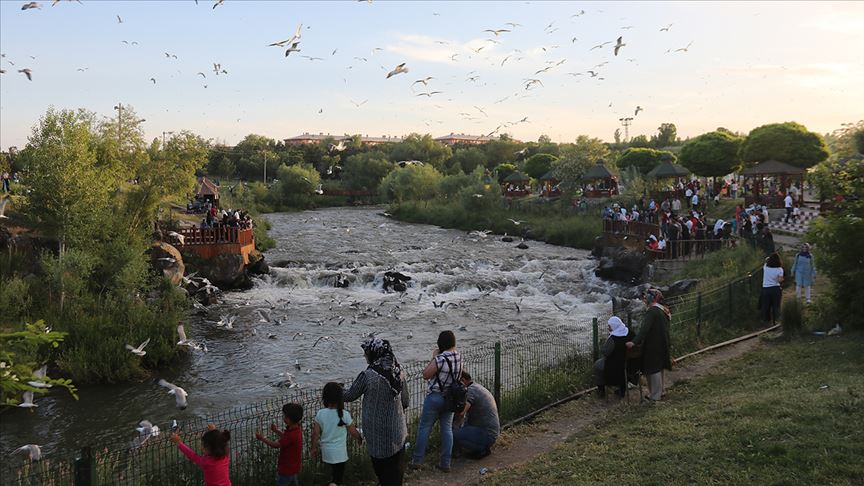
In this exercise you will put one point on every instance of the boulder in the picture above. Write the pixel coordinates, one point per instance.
(622, 265)
(257, 265)
(522, 246)
(167, 259)
(507, 239)
(226, 271)
(396, 281)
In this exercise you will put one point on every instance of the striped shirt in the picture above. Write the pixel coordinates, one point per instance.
(382, 415)
(446, 375)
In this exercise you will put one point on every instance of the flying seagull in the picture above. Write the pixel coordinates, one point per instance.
(293, 48)
(217, 3)
(638, 109)
(424, 80)
(28, 6)
(399, 70)
(294, 38)
(684, 49)
(27, 72)
(666, 29)
(33, 451)
(27, 400)
(139, 351)
(497, 32)
(40, 374)
(119, 20)
(599, 46)
(179, 393)
(429, 94)
(338, 147)
(358, 105)
(322, 338)
(619, 45)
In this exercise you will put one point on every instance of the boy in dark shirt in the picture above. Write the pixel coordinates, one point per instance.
(290, 445)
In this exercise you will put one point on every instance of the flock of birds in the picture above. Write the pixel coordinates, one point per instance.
(293, 44)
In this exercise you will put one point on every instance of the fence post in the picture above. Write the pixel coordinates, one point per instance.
(595, 339)
(699, 315)
(85, 468)
(497, 388)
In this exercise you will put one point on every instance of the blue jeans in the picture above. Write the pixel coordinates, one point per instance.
(434, 408)
(287, 480)
(473, 440)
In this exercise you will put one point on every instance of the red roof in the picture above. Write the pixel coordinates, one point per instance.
(207, 188)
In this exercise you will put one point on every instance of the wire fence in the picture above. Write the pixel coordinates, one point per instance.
(524, 374)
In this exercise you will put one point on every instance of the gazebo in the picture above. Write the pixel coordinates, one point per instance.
(549, 182)
(669, 170)
(516, 185)
(599, 182)
(207, 191)
(768, 182)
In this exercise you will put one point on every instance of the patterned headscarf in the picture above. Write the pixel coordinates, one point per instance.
(654, 297)
(384, 362)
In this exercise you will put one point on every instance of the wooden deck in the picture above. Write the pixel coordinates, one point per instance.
(209, 243)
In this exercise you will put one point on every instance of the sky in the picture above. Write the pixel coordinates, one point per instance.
(747, 64)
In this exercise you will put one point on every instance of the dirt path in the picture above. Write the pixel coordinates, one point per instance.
(523, 443)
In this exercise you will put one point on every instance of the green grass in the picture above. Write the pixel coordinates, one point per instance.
(551, 226)
(762, 419)
(722, 265)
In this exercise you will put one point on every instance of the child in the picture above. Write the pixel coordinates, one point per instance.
(214, 463)
(332, 425)
(290, 445)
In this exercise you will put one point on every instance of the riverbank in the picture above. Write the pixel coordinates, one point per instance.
(554, 226)
(785, 415)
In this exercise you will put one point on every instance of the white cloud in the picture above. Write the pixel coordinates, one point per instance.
(430, 49)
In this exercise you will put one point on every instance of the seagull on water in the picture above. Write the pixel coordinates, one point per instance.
(179, 393)
(139, 351)
(33, 451)
(398, 70)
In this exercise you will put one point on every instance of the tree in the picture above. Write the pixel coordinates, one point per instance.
(468, 159)
(411, 183)
(846, 141)
(617, 136)
(295, 187)
(578, 158)
(667, 135)
(712, 154)
(640, 141)
(539, 164)
(788, 142)
(501, 151)
(251, 153)
(365, 171)
(643, 159)
(423, 148)
(504, 170)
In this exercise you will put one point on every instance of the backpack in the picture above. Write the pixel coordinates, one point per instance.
(455, 394)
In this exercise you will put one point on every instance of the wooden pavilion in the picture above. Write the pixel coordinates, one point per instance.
(599, 182)
(549, 184)
(668, 170)
(517, 185)
(207, 192)
(768, 182)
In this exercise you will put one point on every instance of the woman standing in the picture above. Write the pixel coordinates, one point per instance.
(444, 370)
(383, 414)
(804, 271)
(772, 277)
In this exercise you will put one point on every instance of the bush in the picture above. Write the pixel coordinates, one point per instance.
(412, 182)
(792, 318)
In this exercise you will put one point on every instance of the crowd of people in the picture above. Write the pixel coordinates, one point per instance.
(466, 412)
(225, 218)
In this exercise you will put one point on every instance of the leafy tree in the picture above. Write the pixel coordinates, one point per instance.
(617, 136)
(423, 148)
(452, 184)
(504, 170)
(643, 159)
(411, 183)
(838, 237)
(70, 193)
(225, 166)
(640, 141)
(468, 158)
(501, 151)
(296, 186)
(364, 171)
(712, 154)
(252, 152)
(578, 158)
(667, 135)
(846, 141)
(544, 140)
(788, 142)
(18, 360)
(539, 164)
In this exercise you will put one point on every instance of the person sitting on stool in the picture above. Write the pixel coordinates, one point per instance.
(609, 369)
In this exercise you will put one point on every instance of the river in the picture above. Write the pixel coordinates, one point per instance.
(313, 248)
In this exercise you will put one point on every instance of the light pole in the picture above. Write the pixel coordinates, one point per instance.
(625, 122)
(265, 168)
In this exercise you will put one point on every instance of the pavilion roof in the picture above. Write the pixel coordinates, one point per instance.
(599, 171)
(207, 188)
(517, 176)
(549, 176)
(668, 169)
(772, 167)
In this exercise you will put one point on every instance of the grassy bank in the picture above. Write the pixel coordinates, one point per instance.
(553, 226)
(783, 415)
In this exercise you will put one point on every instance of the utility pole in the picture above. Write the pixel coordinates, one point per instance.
(625, 122)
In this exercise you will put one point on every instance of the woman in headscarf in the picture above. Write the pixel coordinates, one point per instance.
(610, 368)
(653, 337)
(385, 398)
(804, 271)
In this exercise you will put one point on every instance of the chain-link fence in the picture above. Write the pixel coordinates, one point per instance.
(524, 374)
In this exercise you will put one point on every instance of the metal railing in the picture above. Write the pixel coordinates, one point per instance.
(524, 374)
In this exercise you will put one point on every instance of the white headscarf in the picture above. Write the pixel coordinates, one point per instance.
(618, 327)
